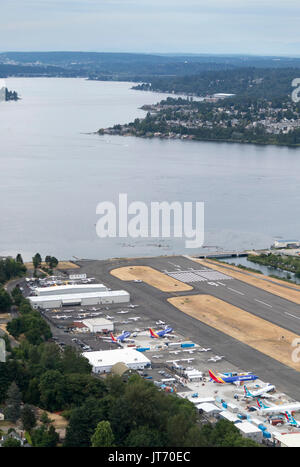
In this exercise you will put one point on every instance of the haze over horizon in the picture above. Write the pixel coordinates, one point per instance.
(150, 26)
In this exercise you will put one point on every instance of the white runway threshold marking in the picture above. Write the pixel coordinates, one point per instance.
(236, 291)
(297, 317)
(264, 303)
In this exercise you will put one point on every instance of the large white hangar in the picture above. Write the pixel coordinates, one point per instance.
(70, 289)
(103, 361)
(82, 299)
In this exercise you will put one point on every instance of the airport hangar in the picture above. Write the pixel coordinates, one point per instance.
(103, 361)
(70, 289)
(81, 299)
(98, 324)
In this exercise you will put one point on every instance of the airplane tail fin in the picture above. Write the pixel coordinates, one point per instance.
(113, 337)
(290, 418)
(260, 404)
(215, 377)
(152, 333)
(247, 392)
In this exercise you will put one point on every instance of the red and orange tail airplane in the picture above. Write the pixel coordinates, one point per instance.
(113, 337)
(215, 378)
(153, 333)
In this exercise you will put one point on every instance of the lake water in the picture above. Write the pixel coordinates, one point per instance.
(266, 270)
(53, 175)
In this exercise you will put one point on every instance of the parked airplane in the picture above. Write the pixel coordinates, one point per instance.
(121, 338)
(278, 408)
(162, 333)
(216, 358)
(109, 317)
(231, 379)
(158, 323)
(204, 350)
(259, 392)
(135, 319)
(133, 306)
(290, 420)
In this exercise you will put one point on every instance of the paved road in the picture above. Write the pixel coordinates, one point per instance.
(235, 292)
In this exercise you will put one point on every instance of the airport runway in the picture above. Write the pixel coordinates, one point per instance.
(270, 307)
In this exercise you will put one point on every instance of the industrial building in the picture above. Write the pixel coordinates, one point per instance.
(286, 244)
(248, 430)
(81, 299)
(98, 324)
(287, 440)
(70, 289)
(103, 361)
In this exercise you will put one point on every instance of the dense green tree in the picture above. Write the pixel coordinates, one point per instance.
(11, 443)
(13, 403)
(19, 258)
(5, 301)
(73, 362)
(83, 422)
(9, 269)
(51, 261)
(17, 296)
(44, 437)
(37, 260)
(103, 435)
(28, 417)
(143, 436)
(52, 389)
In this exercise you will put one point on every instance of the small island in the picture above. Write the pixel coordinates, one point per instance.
(6, 95)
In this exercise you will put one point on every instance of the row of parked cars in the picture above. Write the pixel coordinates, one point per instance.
(81, 344)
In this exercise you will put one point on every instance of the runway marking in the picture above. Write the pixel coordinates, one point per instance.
(264, 303)
(260, 334)
(273, 286)
(198, 275)
(297, 317)
(236, 291)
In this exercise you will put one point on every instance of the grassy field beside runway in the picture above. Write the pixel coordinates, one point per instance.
(152, 277)
(256, 332)
(276, 287)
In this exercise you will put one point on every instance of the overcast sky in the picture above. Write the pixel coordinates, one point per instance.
(177, 26)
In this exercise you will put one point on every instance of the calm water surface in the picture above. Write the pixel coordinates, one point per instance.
(54, 173)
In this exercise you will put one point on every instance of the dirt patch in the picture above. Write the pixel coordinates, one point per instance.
(275, 287)
(259, 334)
(152, 277)
(60, 423)
(5, 316)
(61, 265)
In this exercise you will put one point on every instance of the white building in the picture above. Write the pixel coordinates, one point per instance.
(103, 361)
(208, 409)
(287, 440)
(193, 375)
(286, 244)
(70, 289)
(248, 430)
(229, 416)
(98, 324)
(83, 299)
